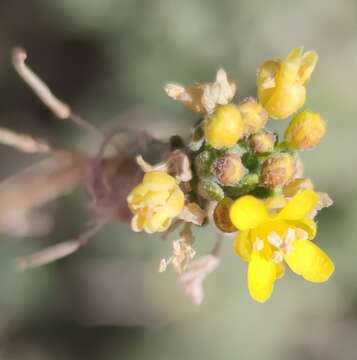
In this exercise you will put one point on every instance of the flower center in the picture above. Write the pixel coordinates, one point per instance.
(284, 244)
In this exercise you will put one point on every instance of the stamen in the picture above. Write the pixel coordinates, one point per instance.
(301, 234)
(277, 257)
(258, 244)
(275, 239)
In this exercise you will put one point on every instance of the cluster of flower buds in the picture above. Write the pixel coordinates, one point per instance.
(252, 180)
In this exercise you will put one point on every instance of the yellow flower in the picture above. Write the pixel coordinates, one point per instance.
(224, 127)
(268, 239)
(155, 202)
(305, 130)
(281, 83)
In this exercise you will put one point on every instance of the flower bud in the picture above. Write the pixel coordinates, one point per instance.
(305, 130)
(224, 127)
(296, 185)
(203, 163)
(228, 169)
(210, 190)
(263, 142)
(278, 170)
(254, 116)
(221, 216)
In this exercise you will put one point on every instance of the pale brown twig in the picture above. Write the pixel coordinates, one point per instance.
(60, 109)
(58, 251)
(23, 142)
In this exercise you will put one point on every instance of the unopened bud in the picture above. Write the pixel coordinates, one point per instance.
(296, 185)
(305, 130)
(221, 216)
(224, 127)
(263, 142)
(254, 116)
(203, 163)
(278, 170)
(228, 169)
(210, 190)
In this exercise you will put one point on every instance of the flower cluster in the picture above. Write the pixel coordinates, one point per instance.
(241, 176)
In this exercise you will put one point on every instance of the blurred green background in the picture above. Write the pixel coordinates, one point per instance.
(110, 59)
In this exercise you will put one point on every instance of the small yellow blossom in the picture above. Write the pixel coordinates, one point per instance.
(269, 238)
(224, 127)
(281, 83)
(155, 202)
(305, 130)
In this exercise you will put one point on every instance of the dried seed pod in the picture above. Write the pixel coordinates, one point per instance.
(221, 216)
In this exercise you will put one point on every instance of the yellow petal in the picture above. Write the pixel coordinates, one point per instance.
(157, 223)
(137, 194)
(300, 206)
(156, 198)
(175, 203)
(306, 224)
(280, 270)
(309, 61)
(289, 69)
(137, 222)
(309, 261)
(158, 181)
(248, 212)
(243, 245)
(285, 100)
(262, 274)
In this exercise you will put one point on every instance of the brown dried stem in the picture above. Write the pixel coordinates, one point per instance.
(58, 251)
(60, 109)
(23, 142)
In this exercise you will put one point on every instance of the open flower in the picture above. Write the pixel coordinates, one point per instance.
(267, 240)
(155, 202)
(281, 83)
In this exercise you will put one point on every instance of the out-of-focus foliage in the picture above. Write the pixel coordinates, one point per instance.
(110, 60)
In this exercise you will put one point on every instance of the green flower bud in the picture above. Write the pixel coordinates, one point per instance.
(210, 190)
(278, 170)
(202, 163)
